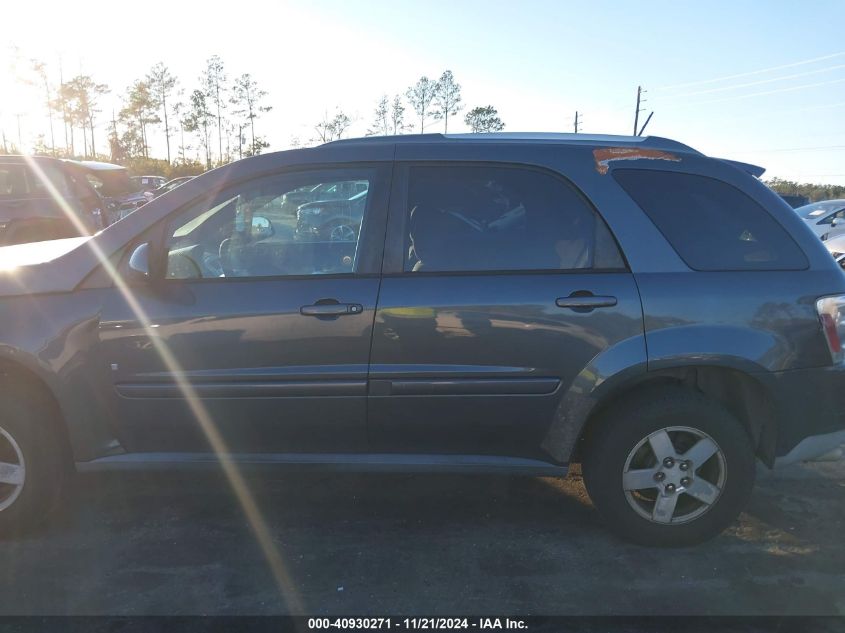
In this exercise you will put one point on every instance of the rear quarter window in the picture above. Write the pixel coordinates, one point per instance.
(712, 225)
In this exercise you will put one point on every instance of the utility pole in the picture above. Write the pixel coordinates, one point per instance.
(576, 121)
(640, 100)
(20, 138)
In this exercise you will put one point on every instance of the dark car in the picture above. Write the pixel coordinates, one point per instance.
(120, 193)
(509, 304)
(795, 201)
(44, 199)
(292, 200)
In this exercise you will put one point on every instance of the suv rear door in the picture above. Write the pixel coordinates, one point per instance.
(501, 283)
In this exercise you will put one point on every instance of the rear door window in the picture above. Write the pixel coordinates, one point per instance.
(711, 225)
(463, 218)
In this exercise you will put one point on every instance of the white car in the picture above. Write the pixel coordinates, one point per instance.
(823, 216)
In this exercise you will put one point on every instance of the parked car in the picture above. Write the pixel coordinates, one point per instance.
(335, 220)
(44, 199)
(170, 185)
(120, 193)
(148, 183)
(836, 247)
(823, 217)
(292, 200)
(510, 304)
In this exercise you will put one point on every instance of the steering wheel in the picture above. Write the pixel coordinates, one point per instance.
(224, 254)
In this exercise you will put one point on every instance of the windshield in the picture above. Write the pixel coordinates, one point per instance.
(818, 209)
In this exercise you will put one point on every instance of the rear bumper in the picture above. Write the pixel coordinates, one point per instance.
(812, 447)
(810, 407)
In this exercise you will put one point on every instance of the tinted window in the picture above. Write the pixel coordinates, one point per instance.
(52, 172)
(711, 225)
(273, 227)
(498, 218)
(13, 180)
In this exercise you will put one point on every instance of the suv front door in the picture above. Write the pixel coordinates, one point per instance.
(501, 285)
(270, 328)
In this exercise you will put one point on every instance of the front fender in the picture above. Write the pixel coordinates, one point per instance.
(54, 339)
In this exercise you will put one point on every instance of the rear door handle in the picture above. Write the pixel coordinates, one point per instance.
(585, 302)
(331, 309)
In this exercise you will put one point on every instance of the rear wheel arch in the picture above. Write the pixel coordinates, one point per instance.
(744, 396)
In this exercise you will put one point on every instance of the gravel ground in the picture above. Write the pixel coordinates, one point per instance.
(180, 543)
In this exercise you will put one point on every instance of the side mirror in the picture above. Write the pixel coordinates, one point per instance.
(139, 262)
(834, 222)
(261, 227)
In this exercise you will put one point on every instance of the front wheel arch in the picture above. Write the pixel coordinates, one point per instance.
(19, 375)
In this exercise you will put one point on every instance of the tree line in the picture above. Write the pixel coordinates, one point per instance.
(429, 99)
(215, 107)
(216, 117)
(814, 192)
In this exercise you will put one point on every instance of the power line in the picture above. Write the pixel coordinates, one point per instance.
(756, 83)
(794, 149)
(772, 92)
(753, 72)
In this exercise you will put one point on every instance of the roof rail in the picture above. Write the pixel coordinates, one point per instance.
(653, 142)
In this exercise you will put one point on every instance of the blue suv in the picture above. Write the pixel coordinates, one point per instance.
(501, 303)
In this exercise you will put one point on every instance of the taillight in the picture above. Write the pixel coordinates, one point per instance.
(831, 312)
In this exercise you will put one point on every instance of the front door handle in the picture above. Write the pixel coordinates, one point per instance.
(331, 309)
(585, 302)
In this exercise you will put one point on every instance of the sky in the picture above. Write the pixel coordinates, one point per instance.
(757, 81)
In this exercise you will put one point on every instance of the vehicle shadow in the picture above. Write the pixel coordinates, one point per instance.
(180, 543)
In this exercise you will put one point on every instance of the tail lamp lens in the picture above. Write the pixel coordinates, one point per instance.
(831, 312)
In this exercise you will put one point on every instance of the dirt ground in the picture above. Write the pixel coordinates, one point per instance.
(180, 543)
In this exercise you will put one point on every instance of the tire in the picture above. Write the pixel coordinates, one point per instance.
(708, 495)
(339, 231)
(28, 438)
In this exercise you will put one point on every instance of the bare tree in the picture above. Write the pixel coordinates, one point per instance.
(40, 69)
(214, 83)
(332, 129)
(447, 98)
(141, 110)
(177, 108)
(397, 115)
(381, 119)
(198, 119)
(247, 97)
(161, 84)
(420, 96)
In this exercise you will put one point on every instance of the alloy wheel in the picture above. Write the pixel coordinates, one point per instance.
(12, 470)
(674, 475)
(342, 233)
